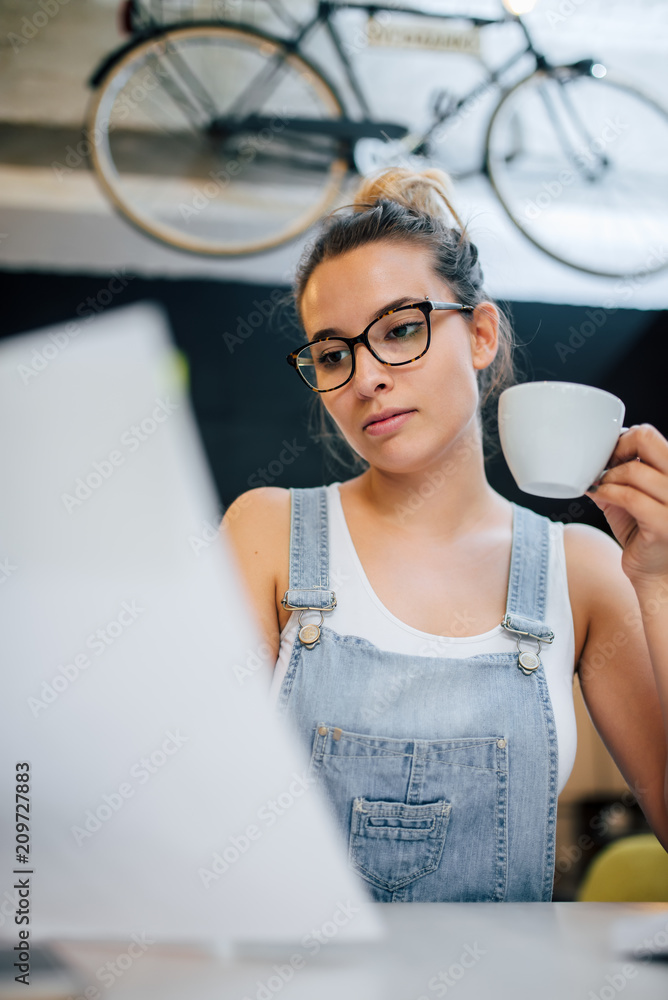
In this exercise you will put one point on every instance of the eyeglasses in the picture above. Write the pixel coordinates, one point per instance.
(397, 337)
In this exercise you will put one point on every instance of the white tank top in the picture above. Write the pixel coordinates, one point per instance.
(360, 612)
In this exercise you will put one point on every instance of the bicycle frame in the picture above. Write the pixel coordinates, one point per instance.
(350, 129)
(140, 15)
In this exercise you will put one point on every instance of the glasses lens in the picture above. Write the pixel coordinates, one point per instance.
(396, 338)
(325, 364)
(399, 336)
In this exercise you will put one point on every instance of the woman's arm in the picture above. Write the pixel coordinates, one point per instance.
(257, 527)
(623, 667)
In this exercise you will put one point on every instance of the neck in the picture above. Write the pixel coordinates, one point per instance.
(442, 499)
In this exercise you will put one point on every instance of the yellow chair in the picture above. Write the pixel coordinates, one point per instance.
(182, 368)
(633, 869)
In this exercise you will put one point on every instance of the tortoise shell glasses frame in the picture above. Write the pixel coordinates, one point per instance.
(426, 307)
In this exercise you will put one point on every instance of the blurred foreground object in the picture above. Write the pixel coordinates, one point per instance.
(163, 797)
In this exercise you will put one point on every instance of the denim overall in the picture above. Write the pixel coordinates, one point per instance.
(447, 791)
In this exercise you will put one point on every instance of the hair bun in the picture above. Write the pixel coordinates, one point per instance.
(428, 192)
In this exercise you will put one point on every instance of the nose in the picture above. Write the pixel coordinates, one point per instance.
(370, 374)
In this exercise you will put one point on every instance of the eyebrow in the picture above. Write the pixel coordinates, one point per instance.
(332, 332)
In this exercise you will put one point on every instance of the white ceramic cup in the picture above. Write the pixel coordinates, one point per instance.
(557, 437)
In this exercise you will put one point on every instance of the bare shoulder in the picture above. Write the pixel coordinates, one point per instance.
(264, 509)
(591, 554)
(257, 526)
(600, 592)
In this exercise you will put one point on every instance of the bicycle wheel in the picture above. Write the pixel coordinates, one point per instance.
(194, 138)
(587, 183)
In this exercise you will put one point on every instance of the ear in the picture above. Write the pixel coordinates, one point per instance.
(484, 330)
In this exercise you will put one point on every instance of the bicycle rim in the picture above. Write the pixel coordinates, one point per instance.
(587, 182)
(215, 190)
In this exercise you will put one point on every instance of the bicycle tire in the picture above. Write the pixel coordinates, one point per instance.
(162, 170)
(613, 226)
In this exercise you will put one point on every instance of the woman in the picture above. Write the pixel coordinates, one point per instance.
(440, 730)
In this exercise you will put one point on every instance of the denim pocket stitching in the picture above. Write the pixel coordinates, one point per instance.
(436, 833)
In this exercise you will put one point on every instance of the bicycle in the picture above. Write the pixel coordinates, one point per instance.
(220, 138)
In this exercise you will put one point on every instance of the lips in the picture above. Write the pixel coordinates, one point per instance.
(384, 414)
(387, 422)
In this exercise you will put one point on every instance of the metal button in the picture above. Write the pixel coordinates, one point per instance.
(336, 733)
(528, 661)
(309, 635)
(500, 744)
(323, 730)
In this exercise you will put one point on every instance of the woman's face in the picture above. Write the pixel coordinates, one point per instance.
(438, 393)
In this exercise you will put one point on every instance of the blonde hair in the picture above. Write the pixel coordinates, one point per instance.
(429, 192)
(404, 206)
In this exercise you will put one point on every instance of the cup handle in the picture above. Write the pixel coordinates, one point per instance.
(622, 430)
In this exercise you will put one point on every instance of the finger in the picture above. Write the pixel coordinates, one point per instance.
(647, 511)
(644, 442)
(640, 476)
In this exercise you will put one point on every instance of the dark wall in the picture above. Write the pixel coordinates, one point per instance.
(252, 410)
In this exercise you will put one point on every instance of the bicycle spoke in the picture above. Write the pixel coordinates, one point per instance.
(197, 88)
(177, 94)
(249, 97)
(569, 152)
(589, 185)
(186, 167)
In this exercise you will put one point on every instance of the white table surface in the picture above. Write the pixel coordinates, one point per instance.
(551, 951)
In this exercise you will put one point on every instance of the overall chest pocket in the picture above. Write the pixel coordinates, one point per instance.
(425, 818)
(394, 843)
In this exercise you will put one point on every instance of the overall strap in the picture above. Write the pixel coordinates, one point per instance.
(527, 585)
(309, 552)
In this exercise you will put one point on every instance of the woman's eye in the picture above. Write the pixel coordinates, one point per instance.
(404, 331)
(328, 359)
